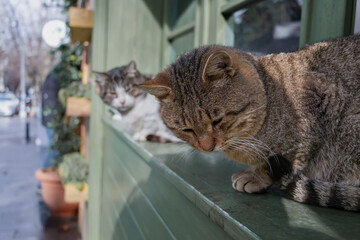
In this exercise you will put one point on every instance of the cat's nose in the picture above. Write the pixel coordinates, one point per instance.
(122, 102)
(207, 143)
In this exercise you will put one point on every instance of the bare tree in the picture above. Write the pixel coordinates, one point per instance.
(31, 16)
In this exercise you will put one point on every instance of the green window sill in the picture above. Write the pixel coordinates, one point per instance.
(205, 180)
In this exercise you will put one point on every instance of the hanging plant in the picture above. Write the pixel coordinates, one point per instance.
(66, 137)
(68, 69)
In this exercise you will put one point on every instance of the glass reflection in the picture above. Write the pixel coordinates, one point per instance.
(270, 26)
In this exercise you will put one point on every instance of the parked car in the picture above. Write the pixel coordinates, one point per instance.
(9, 104)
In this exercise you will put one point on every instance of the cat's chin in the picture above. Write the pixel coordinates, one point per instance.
(215, 149)
(123, 109)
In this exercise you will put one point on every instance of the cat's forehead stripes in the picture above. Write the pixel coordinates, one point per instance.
(120, 81)
(118, 77)
(122, 84)
(189, 92)
(184, 76)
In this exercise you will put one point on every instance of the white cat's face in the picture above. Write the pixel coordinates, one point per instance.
(123, 101)
(117, 87)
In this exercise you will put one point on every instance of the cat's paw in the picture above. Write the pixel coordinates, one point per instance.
(250, 181)
(117, 117)
(140, 136)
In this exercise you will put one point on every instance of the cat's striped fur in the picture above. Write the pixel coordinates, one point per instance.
(294, 117)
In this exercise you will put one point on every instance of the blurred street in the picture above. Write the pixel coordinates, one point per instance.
(22, 213)
(34, 40)
(19, 211)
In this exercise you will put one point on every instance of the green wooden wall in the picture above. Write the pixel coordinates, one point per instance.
(129, 196)
(128, 30)
(324, 19)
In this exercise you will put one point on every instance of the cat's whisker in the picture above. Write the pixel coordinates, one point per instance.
(184, 155)
(256, 109)
(262, 154)
(251, 144)
(247, 149)
(272, 153)
(182, 147)
(250, 151)
(251, 139)
(181, 150)
(255, 140)
(262, 143)
(242, 149)
(255, 149)
(226, 145)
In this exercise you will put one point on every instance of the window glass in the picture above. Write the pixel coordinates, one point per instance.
(270, 26)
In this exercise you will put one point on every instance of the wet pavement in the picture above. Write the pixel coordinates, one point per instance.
(22, 212)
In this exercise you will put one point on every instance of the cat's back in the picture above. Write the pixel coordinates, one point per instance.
(339, 56)
(336, 47)
(334, 64)
(336, 61)
(320, 81)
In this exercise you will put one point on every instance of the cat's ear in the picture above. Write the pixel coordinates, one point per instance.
(100, 77)
(131, 69)
(218, 65)
(158, 86)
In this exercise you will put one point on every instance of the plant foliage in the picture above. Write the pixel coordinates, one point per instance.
(66, 137)
(74, 89)
(74, 169)
(68, 69)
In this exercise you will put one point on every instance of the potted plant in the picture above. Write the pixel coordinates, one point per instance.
(53, 193)
(74, 171)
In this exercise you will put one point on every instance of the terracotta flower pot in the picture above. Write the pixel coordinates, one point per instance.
(53, 193)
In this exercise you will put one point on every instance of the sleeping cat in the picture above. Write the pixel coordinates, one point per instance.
(137, 108)
(294, 117)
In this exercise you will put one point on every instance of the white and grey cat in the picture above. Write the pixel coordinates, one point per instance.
(140, 110)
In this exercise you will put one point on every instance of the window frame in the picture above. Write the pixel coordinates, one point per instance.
(320, 20)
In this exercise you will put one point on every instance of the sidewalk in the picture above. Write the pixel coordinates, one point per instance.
(22, 212)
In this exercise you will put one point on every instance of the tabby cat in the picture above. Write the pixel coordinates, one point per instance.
(293, 117)
(137, 108)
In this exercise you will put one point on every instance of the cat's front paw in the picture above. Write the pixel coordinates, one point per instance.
(140, 136)
(117, 117)
(251, 181)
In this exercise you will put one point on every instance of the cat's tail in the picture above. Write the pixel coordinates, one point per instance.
(336, 195)
(156, 138)
(311, 191)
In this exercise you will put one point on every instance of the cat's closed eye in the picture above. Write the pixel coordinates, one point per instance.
(189, 130)
(216, 122)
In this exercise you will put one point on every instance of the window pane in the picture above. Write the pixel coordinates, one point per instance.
(270, 26)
